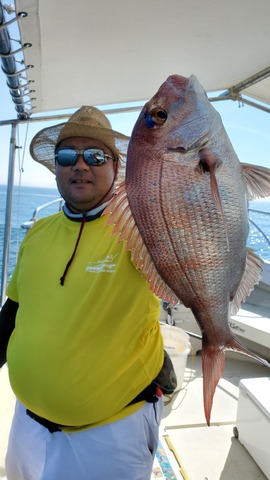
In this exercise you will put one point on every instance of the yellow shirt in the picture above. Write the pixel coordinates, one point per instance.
(82, 351)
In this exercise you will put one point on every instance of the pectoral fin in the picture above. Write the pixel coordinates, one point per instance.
(210, 163)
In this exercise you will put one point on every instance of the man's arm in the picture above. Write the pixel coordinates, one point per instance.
(7, 325)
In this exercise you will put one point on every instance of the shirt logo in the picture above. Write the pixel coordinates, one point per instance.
(105, 265)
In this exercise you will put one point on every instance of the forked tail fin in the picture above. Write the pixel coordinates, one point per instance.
(213, 362)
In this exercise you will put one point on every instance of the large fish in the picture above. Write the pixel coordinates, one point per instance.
(183, 214)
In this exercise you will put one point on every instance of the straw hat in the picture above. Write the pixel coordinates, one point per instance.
(85, 122)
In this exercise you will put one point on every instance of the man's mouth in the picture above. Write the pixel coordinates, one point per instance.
(80, 181)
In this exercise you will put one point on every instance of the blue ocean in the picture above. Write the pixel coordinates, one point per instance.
(27, 199)
(24, 201)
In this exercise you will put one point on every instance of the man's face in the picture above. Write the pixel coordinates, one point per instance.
(81, 185)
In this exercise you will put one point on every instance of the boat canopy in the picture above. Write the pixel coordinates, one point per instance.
(103, 52)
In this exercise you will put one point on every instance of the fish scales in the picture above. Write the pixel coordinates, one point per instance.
(186, 193)
(171, 217)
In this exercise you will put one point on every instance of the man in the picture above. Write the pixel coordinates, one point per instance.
(87, 345)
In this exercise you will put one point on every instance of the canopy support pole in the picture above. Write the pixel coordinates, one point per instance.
(7, 232)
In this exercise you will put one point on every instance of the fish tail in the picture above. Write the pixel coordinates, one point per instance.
(213, 362)
(237, 346)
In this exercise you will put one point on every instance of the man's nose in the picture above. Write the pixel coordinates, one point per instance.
(81, 163)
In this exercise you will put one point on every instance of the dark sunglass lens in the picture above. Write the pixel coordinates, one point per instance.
(66, 156)
(94, 157)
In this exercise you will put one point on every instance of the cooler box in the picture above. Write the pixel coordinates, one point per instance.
(253, 420)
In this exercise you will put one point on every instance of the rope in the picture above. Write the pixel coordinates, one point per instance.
(62, 279)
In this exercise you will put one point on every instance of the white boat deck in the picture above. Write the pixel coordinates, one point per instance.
(211, 453)
(252, 321)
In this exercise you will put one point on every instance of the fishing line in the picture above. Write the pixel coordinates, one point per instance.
(24, 147)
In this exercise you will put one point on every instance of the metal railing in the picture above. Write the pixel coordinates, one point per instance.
(257, 226)
(34, 218)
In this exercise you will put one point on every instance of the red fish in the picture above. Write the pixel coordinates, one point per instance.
(183, 213)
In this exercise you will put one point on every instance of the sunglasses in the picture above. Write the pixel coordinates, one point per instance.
(68, 156)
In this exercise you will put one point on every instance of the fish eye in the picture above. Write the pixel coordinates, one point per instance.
(158, 116)
(155, 117)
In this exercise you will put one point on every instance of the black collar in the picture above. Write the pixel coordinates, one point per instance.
(88, 216)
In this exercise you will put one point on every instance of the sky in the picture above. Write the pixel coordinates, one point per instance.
(247, 127)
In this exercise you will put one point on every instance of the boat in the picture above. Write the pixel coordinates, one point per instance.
(114, 55)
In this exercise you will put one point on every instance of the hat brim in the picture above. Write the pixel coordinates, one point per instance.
(42, 147)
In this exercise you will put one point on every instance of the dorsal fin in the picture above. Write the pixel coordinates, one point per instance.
(124, 225)
(257, 180)
(249, 279)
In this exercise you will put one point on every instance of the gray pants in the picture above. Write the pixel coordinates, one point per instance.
(123, 450)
